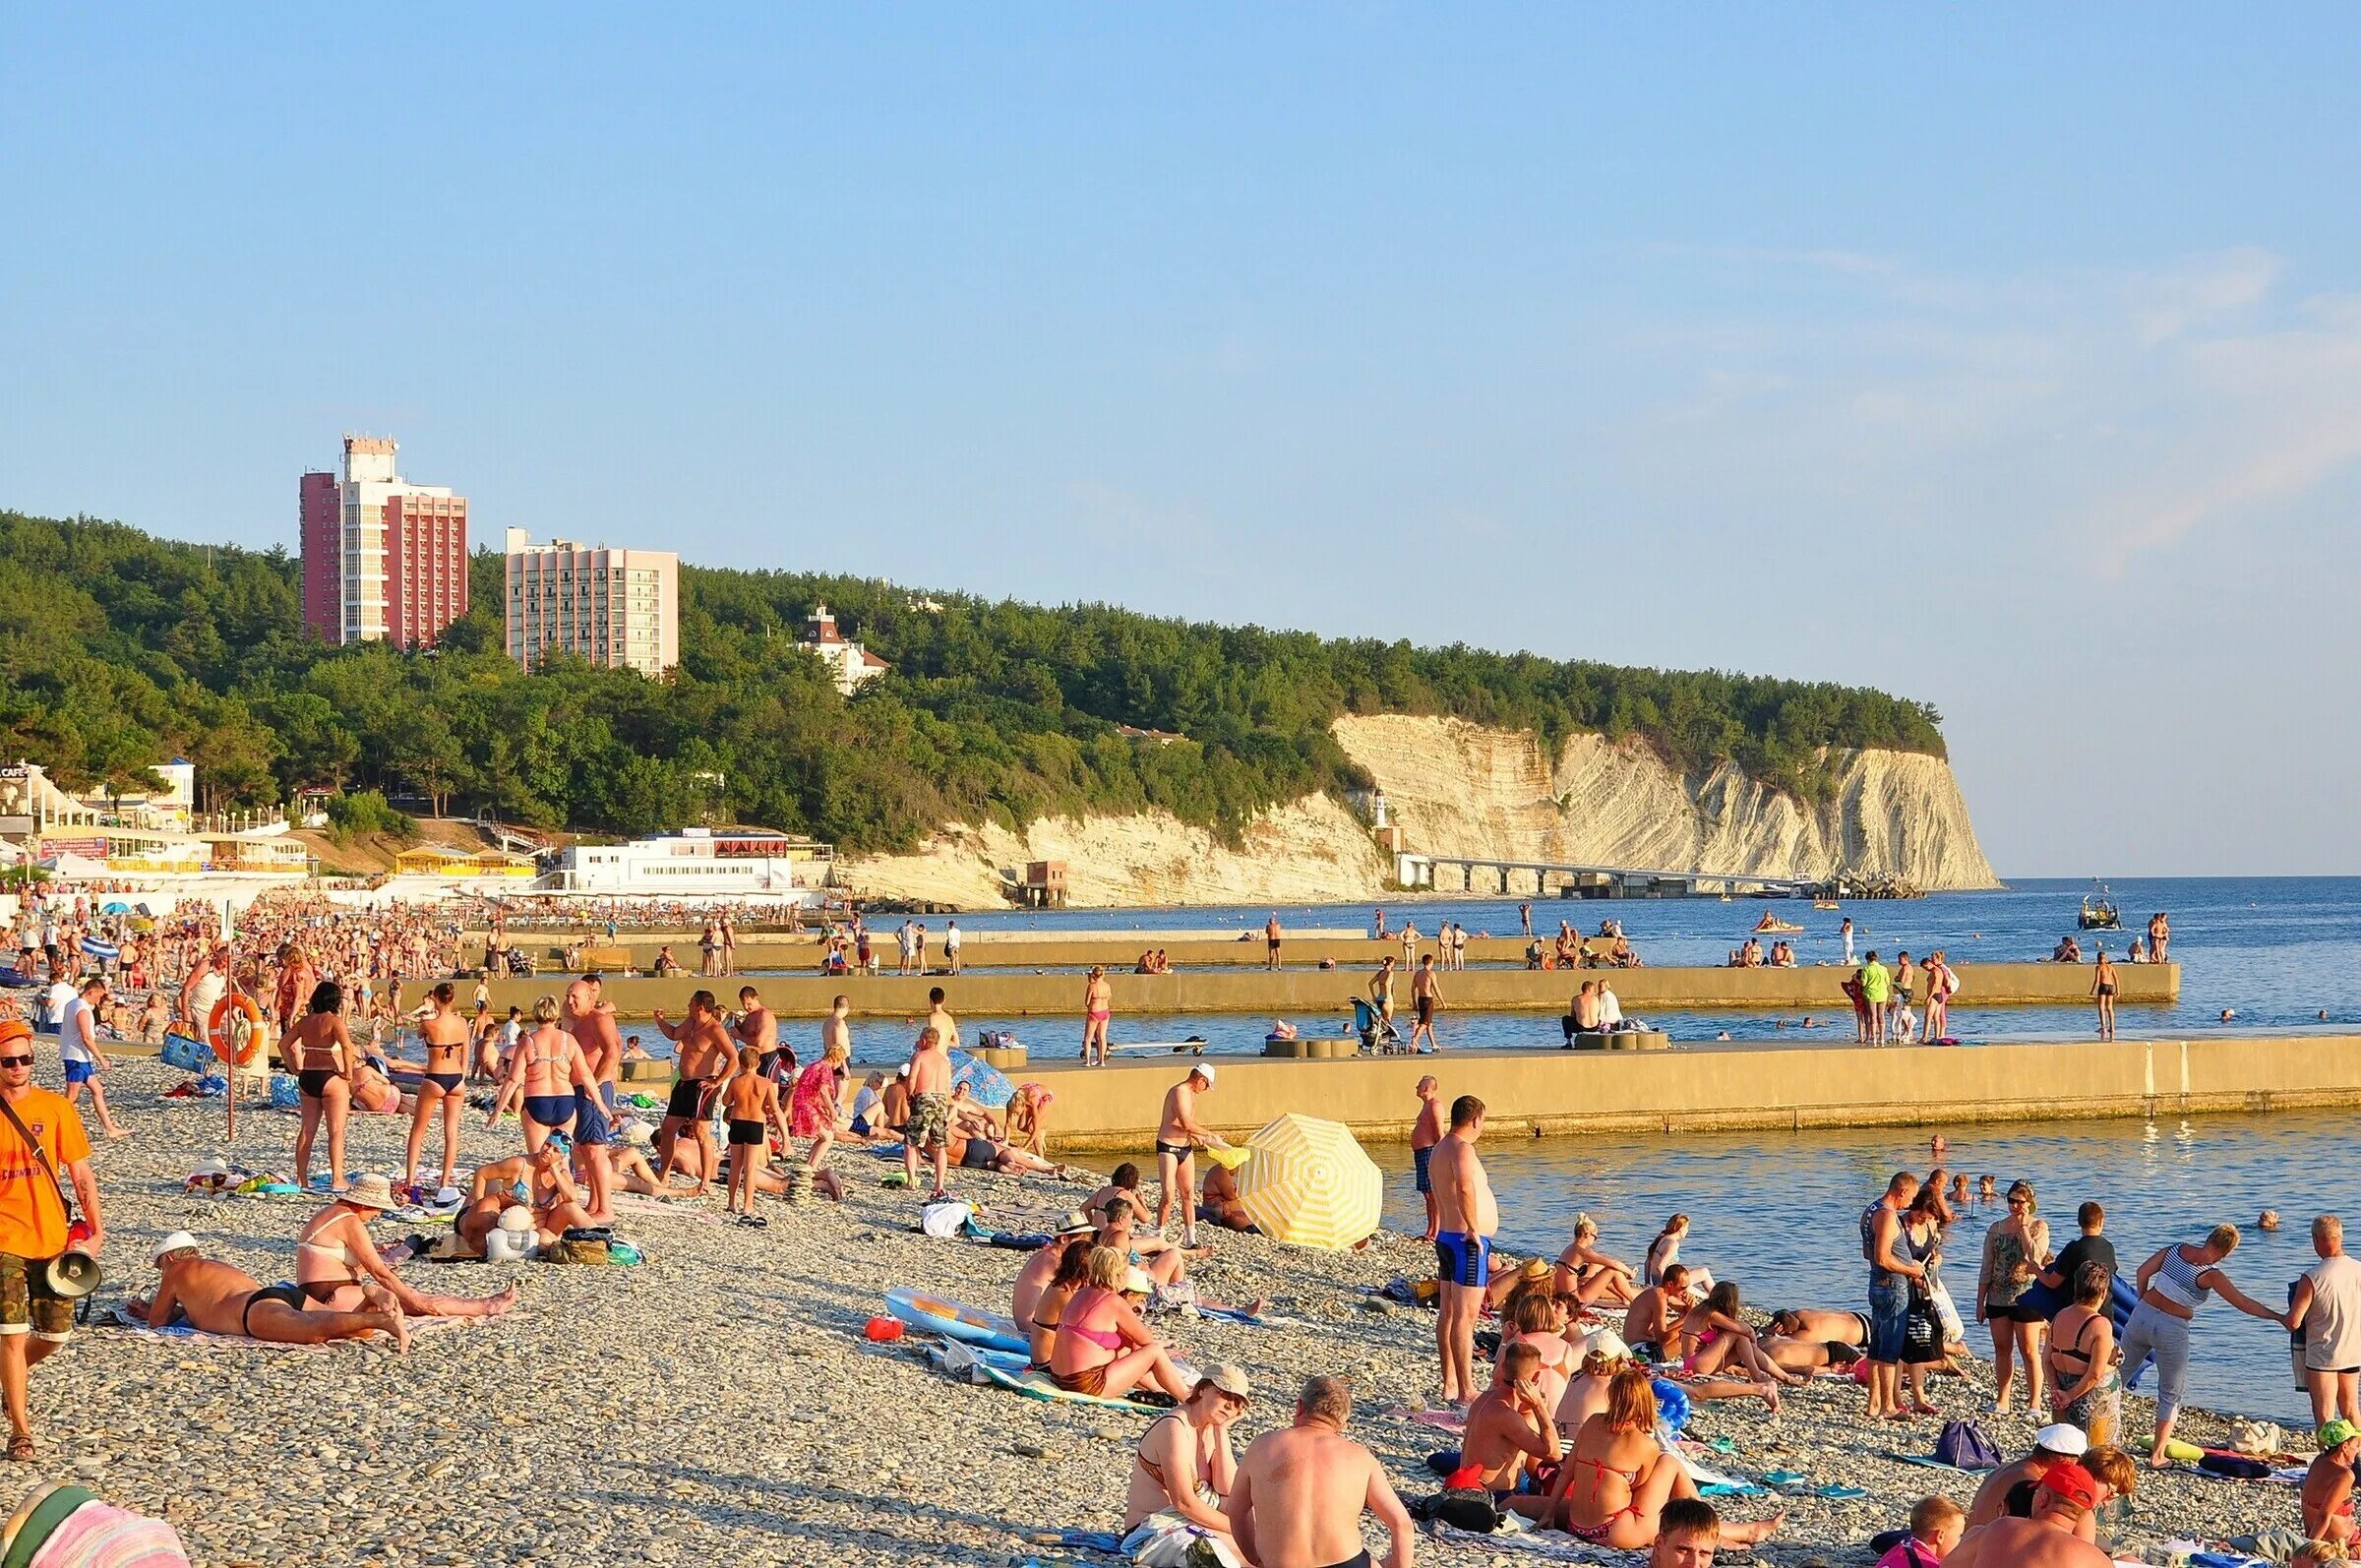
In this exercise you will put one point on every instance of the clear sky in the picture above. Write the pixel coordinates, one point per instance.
(2005, 357)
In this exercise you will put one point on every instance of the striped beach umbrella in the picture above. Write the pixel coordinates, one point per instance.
(1309, 1183)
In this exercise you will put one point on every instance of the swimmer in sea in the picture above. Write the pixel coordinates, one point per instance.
(2268, 1220)
(1987, 1188)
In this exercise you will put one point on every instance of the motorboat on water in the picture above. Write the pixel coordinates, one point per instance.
(2098, 912)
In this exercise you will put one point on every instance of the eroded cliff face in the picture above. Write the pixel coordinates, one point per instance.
(1462, 789)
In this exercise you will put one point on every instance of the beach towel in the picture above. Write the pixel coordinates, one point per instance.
(1553, 1544)
(97, 1536)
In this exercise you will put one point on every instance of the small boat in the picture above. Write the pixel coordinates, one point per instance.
(2098, 912)
(1824, 903)
(1768, 926)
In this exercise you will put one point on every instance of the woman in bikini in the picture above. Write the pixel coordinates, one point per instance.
(546, 1071)
(750, 1104)
(1049, 1308)
(321, 1049)
(811, 1113)
(1101, 1348)
(1714, 1335)
(338, 1266)
(2085, 1388)
(1613, 1486)
(2102, 987)
(1098, 1007)
(1590, 1275)
(1665, 1250)
(1183, 1465)
(440, 1086)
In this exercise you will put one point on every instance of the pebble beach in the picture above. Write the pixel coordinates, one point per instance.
(718, 1403)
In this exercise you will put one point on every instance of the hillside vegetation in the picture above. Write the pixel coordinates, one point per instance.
(125, 648)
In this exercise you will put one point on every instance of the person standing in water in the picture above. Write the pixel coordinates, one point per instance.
(1467, 1217)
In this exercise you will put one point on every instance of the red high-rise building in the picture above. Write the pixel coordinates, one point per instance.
(381, 558)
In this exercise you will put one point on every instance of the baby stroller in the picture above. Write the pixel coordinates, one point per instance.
(1373, 1026)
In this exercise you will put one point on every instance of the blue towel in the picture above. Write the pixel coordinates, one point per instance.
(1091, 1540)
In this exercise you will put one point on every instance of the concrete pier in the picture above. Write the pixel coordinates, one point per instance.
(1011, 994)
(1542, 1092)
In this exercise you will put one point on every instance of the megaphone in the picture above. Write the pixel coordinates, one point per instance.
(72, 1275)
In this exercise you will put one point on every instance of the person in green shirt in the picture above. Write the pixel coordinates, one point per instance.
(1877, 988)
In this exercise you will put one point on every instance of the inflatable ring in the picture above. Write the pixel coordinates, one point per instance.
(235, 1029)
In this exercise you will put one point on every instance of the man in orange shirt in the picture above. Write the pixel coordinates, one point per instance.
(33, 1224)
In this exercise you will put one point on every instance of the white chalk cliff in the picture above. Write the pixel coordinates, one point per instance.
(1464, 789)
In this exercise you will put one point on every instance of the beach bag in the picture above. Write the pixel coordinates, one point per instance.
(2259, 1438)
(565, 1251)
(1469, 1508)
(1922, 1331)
(945, 1218)
(1165, 1541)
(286, 1093)
(1965, 1445)
(185, 1054)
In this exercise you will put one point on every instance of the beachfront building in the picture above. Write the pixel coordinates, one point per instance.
(849, 662)
(698, 863)
(619, 609)
(383, 559)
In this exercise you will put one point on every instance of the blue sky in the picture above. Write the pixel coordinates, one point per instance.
(2006, 357)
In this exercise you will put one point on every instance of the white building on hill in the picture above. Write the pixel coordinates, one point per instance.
(849, 662)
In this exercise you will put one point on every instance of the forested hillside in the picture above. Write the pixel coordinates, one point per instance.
(122, 649)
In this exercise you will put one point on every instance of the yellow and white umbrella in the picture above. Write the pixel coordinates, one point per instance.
(1309, 1183)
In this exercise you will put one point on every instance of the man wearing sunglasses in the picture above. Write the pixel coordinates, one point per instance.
(34, 1320)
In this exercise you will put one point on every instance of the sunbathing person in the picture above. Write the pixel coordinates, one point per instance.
(974, 1149)
(218, 1298)
(1617, 1479)
(1121, 1190)
(1586, 1392)
(1713, 1335)
(1041, 1264)
(1182, 1464)
(1590, 1275)
(1166, 1262)
(630, 1169)
(1655, 1313)
(1511, 1439)
(336, 1261)
(1220, 1203)
(1048, 1313)
(1539, 1319)
(1101, 1348)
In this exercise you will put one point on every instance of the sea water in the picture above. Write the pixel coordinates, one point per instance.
(1779, 1211)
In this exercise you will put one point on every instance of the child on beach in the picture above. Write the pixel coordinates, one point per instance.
(1936, 1524)
(750, 1102)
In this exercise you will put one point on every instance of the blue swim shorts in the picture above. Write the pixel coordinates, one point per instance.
(1423, 1158)
(1461, 1259)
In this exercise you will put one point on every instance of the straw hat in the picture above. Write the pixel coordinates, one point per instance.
(370, 1191)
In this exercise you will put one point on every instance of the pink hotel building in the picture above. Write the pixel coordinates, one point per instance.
(381, 558)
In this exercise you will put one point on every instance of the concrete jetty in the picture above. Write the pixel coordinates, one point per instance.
(1014, 993)
(1701, 1087)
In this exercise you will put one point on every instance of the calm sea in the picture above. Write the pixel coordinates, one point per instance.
(1777, 1212)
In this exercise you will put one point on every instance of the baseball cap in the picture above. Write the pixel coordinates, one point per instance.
(1230, 1378)
(1204, 1071)
(2071, 1482)
(2062, 1439)
(13, 1029)
(182, 1241)
(2337, 1430)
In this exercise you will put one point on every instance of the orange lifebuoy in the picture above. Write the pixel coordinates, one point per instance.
(235, 1029)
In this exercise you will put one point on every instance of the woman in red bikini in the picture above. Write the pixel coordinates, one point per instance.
(1101, 1348)
(1613, 1486)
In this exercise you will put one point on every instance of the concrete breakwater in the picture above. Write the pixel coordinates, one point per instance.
(1543, 1093)
(1009, 994)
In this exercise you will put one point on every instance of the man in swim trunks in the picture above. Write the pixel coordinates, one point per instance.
(590, 1018)
(939, 1019)
(1654, 1314)
(1425, 1134)
(1299, 1492)
(1425, 996)
(930, 1080)
(1467, 1216)
(701, 1047)
(1270, 941)
(1178, 1135)
(217, 1298)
